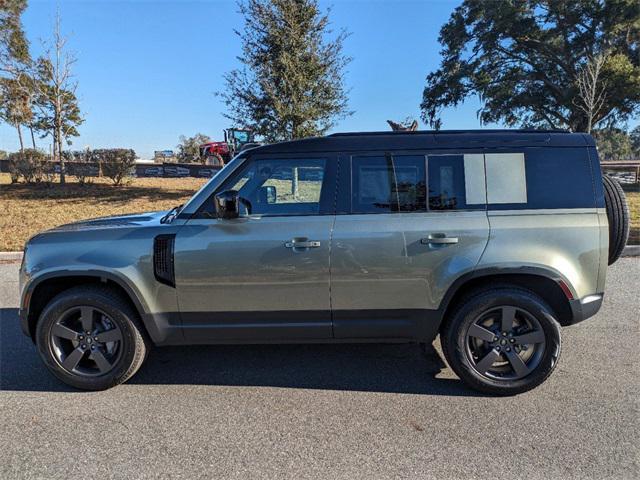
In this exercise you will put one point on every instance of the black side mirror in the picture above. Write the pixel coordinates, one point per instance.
(226, 204)
(267, 194)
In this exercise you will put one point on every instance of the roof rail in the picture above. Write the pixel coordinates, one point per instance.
(447, 132)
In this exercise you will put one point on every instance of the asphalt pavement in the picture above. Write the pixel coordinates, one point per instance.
(328, 411)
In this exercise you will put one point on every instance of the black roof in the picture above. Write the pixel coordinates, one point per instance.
(436, 139)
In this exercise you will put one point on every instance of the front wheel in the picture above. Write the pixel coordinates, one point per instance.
(502, 341)
(91, 338)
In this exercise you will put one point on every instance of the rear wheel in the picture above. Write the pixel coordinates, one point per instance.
(90, 338)
(502, 341)
(617, 215)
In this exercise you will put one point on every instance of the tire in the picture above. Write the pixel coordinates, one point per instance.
(505, 374)
(109, 356)
(618, 216)
(215, 159)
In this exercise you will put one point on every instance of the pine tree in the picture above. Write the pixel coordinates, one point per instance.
(291, 83)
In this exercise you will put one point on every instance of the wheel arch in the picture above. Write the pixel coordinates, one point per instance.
(41, 290)
(548, 284)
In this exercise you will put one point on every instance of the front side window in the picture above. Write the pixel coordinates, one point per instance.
(280, 186)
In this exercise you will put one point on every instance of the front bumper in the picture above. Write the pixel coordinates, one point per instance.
(585, 307)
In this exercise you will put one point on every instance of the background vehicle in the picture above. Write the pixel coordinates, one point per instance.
(492, 239)
(219, 153)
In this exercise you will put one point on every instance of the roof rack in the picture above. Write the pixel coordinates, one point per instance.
(447, 132)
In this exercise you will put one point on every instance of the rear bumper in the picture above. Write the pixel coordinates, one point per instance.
(585, 307)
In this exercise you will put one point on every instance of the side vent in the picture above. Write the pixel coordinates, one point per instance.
(163, 259)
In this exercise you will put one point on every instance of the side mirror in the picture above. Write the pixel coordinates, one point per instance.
(267, 194)
(227, 204)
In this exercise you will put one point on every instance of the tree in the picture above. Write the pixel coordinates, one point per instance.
(14, 48)
(525, 61)
(592, 91)
(188, 149)
(635, 141)
(613, 144)
(291, 84)
(15, 107)
(16, 93)
(58, 110)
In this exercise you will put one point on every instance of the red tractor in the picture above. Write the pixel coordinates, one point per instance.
(219, 153)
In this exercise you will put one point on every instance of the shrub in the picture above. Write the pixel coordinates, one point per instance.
(82, 165)
(32, 166)
(14, 172)
(116, 163)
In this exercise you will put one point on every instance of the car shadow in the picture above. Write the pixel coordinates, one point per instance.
(386, 368)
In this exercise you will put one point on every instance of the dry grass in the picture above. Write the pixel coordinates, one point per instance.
(633, 198)
(29, 209)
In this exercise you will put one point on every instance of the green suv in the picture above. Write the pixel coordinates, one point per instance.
(492, 239)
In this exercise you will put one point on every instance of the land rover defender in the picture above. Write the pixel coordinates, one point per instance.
(492, 239)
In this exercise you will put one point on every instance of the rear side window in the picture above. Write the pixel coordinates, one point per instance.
(384, 184)
(540, 178)
(446, 182)
(411, 182)
(373, 185)
(559, 178)
(456, 182)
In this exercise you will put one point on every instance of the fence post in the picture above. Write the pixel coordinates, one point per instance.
(294, 183)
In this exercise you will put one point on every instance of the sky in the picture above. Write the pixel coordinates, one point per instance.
(147, 71)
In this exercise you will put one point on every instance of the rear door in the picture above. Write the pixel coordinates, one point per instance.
(408, 225)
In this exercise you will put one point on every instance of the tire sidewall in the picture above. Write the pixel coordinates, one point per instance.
(471, 310)
(617, 217)
(58, 307)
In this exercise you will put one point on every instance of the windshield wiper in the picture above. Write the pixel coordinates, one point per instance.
(171, 214)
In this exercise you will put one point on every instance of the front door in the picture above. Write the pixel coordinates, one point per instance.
(263, 276)
(399, 244)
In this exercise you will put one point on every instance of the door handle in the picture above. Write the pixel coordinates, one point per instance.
(438, 239)
(302, 243)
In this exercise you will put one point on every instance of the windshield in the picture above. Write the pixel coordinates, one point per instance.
(240, 136)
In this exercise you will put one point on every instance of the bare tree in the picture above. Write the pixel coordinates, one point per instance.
(58, 111)
(592, 90)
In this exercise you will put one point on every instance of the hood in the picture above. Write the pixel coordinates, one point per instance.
(118, 221)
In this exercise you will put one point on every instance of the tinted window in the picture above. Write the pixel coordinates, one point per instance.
(384, 184)
(373, 185)
(279, 186)
(411, 182)
(446, 182)
(555, 178)
(559, 178)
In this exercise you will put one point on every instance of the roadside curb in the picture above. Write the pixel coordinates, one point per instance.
(10, 256)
